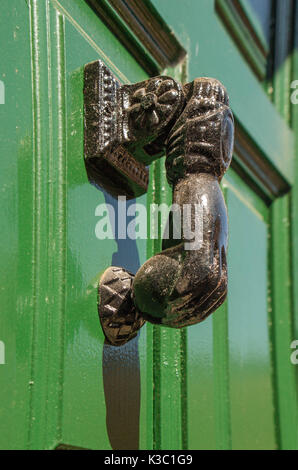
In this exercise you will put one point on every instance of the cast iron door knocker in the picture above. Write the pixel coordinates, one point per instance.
(126, 128)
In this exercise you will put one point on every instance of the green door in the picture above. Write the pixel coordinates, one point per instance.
(225, 383)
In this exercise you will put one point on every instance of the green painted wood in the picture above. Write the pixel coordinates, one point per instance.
(201, 414)
(255, 21)
(229, 365)
(243, 37)
(251, 391)
(17, 192)
(222, 410)
(282, 327)
(170, 354)
(49, 228)
(211, 52)
(123, 31)
(283, 58)
(107, 388)
(56, 393)
(225, 383)
(294, 202)
(281, 272)
(220, 326)
(173, 343)
(80, 356)
(168, 346)
(220, 64)
(70, 389)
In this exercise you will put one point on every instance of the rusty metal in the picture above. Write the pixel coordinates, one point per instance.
(193, 125)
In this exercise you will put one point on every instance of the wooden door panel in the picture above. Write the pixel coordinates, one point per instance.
(250, 367)
(224, 383)
(230, 382)
(201, 415)
(17, 206)
(101, 384)
(264, 135)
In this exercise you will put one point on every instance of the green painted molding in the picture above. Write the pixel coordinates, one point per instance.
(211, 52)
(242, 36)
(266, 129)
(142, 31)
(282, 247)
(255, 23)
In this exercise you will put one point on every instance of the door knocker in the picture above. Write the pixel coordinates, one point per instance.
(126, 128)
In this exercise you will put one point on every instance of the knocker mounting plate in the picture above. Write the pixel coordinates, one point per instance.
(120, 124)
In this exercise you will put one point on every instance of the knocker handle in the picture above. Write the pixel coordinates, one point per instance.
(126, 128)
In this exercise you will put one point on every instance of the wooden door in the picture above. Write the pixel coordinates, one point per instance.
(225, 383)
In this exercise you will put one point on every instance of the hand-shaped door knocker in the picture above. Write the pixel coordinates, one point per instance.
(126, 128)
